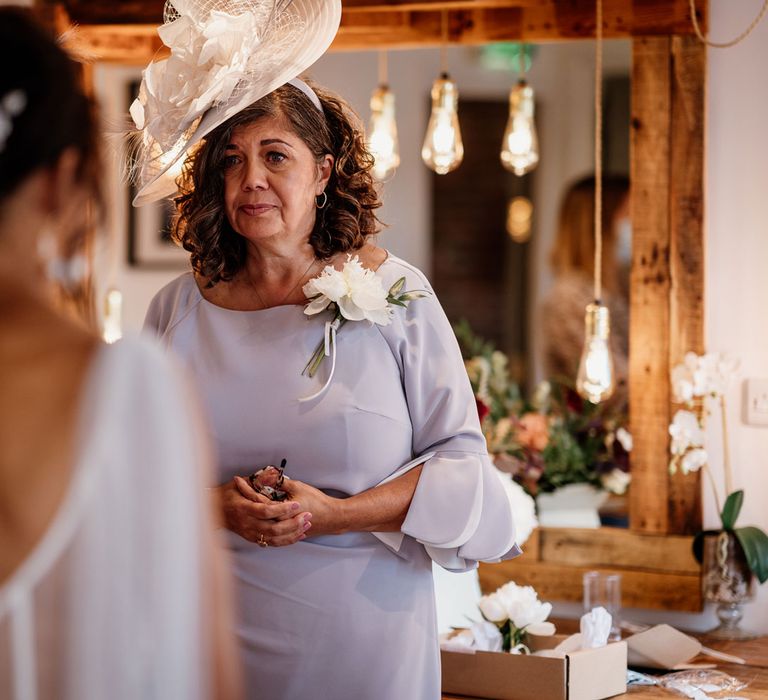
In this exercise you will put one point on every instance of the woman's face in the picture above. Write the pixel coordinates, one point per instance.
(271, 179)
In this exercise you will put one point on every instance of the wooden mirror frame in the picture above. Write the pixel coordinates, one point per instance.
(667, 278)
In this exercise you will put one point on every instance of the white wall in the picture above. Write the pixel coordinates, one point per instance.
(736, 294)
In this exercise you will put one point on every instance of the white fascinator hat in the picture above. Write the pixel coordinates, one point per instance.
(224, 56)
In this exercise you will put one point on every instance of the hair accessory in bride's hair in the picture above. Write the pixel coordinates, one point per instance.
(224, 56)
(11, 106)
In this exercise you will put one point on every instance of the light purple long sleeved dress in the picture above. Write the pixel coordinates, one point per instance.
(346, 617)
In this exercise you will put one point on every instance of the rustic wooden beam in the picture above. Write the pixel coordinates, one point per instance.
(120, 43)
(639, 589)
(686, 225)
(616, 548)
(649, 395)
(396, 27)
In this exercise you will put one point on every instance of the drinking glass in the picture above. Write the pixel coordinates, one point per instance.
(604, 590)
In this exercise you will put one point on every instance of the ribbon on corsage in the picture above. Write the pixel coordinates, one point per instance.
(353, 293)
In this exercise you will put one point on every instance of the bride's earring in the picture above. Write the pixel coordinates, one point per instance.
(70, 272)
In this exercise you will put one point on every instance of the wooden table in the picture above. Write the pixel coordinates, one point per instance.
(755, 672)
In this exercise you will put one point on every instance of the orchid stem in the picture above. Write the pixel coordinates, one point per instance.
(714, 488)
(726, 450)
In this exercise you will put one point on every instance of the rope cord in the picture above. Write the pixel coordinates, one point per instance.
(733, 42)
(444, 42)
(599, 152)
(383, 68)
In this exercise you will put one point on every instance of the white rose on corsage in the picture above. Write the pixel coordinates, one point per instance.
(353, 293)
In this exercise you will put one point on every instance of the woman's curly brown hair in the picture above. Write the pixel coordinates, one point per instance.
(343, 224)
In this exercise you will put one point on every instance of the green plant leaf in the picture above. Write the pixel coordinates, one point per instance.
(698, 543)
(731, 509)
(754, 542)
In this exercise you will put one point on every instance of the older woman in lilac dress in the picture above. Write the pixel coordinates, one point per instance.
(387, 463)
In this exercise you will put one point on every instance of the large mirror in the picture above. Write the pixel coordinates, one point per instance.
(666, 278)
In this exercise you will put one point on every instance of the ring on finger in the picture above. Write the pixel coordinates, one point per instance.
(262, 542)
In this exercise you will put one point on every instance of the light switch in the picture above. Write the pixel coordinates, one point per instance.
(756, 401)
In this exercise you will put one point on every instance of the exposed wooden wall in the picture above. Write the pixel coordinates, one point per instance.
(126, 31)
(666, 306)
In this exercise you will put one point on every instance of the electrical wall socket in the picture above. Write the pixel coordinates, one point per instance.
(756, 401)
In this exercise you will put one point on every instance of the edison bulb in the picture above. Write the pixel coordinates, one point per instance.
(443, 149)
(382, 133)
(595, 381)
(520, 146)
(519, 216)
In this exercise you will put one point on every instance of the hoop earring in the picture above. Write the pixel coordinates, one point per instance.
(324, 195)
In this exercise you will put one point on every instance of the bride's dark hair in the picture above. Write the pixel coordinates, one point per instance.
(56, 113)
(342, 225)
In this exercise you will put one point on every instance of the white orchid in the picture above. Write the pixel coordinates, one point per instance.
(696, 379)
(698, 376)
(686, 432)
(693, 460)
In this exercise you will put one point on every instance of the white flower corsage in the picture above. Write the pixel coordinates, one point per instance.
(353, 293)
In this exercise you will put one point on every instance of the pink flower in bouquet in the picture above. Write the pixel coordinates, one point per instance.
(533, 431)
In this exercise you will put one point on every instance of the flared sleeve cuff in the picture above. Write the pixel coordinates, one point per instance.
(460, 512)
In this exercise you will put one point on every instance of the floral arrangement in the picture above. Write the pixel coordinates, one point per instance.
(516, 611)
(697, 382)
(554, 438)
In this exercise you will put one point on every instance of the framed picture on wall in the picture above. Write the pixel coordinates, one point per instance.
(149, 237)
(150, 244)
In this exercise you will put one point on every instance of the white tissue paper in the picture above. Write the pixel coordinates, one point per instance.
(487, 636)
(482, 636)
(461, 641)
(595, 628)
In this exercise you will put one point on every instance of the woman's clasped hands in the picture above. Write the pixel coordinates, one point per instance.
(258, 519)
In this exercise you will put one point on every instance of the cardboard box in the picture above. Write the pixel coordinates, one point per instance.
(588, 674)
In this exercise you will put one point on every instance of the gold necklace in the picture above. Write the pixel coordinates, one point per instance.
(291, 291)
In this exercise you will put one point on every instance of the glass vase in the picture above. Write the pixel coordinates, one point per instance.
(727, 581)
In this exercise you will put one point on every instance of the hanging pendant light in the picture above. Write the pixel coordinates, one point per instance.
(595, 380)
(520, 146)
(382, 129)
(443, 149)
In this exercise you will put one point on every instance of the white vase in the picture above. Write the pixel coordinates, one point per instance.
(574, 505)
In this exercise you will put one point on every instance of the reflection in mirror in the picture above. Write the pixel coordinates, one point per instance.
(511, 255)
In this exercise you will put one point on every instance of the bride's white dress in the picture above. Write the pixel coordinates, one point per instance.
(111, 603)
